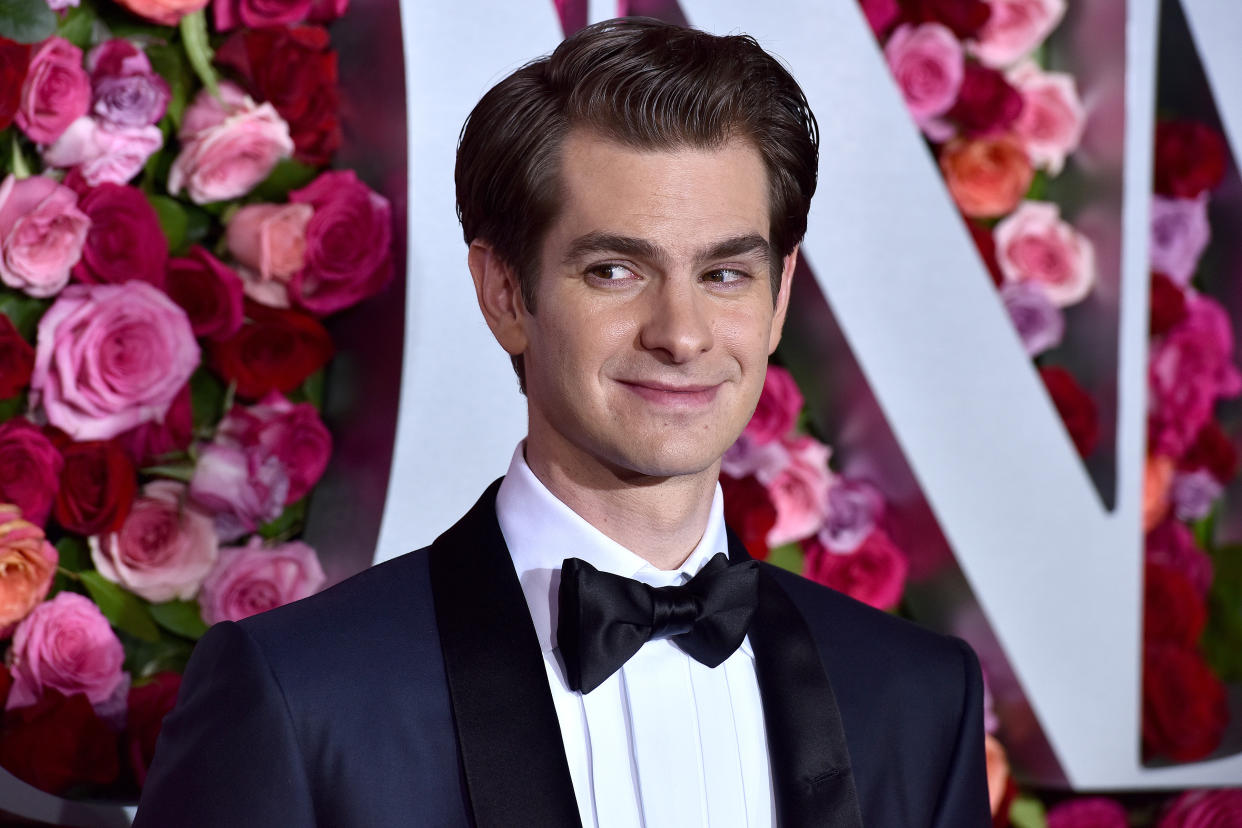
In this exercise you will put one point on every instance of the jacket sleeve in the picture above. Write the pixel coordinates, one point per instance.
(228, 753)
(963, 801)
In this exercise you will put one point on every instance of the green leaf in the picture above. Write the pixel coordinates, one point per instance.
(76, 25)
(287, 175)
(173, 221)
(144, 659)
(1222, 638)
(311, 390)
(26, 21)
(198, 224)
(18, 164)
(198, 49)
(788, 557)
(206, 398)
(181, 617)
(288, 524)
(172, 471)
(171, 64)
(23, 311)
(1028, 812)
(75, 556)
(124, 610)
(1205, 529)
(13, 406)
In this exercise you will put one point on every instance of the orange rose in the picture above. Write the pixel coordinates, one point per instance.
(998, 771)
(27, 564)
(1157, 478)
(987, 177)
(164, 12)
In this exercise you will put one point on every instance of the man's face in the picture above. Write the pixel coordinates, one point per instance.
(654, 310)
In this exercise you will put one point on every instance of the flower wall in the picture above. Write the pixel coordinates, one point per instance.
(171, 244)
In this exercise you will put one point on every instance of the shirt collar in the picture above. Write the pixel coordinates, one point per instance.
(541, 532)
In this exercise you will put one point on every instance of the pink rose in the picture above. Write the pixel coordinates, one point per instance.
(269, 241)
(255, 14)
(855, 508)
(56, 91)
(111, 357)
(1205, 809)
(294, 434)
(104, 153)
(927, 63)
(348, 243)
(1189, 369)
(208, 291)
(1053, 117)
(1179, 233)
(1014, 29)
(126, 91)
(1088, 812)
(874, 573)
(30, 469)
(66, 644)
(1033, 244)
(164, 549)
(799, 489)
(1172, 545)
(241, 489)
(780, 403)
(250, 579)
(228, 145)
(41, 234)
(27, 565)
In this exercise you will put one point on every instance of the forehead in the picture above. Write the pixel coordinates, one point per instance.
(677, 198)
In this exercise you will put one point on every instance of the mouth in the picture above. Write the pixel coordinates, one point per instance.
(670, 395)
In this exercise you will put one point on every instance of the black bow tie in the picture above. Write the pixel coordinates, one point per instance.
(605, 618)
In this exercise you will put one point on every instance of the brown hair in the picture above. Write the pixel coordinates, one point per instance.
(645, 84)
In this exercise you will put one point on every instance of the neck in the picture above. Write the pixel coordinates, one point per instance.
(660, 519)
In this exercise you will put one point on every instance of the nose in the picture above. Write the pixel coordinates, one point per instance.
(678, 324)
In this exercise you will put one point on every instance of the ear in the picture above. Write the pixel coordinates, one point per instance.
(782, 299)
(499, 295)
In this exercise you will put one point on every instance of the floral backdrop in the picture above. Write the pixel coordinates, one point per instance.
(170, 241)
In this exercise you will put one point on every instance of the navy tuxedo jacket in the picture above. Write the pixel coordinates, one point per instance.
(415, 694)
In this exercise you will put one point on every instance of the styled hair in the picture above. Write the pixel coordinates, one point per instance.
(645, 84)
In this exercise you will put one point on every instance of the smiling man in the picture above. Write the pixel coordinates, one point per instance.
(590, 645)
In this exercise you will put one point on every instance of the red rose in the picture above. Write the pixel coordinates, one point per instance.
(881, 15)
(749, 511)
(148, 705)
(58, 742)
(985, 243)
(254, 14)
(97, 487)
(6, 683)
(874, 573)
(208, 291)
(964, 17)
(1168, 304)
(30, 469)
(125, 241)
(275, 350)
(1076, 408)
(16, 360)
(1214, 451)
(1184, 708)
(295, 70)
(14, 61)
(1190, 158)
(145, 443)
(1173, 612)
(987, 103)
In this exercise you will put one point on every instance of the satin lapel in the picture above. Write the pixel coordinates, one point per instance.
(811, 774)
(512, 755)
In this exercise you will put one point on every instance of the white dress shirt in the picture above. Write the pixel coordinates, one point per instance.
(664, 742)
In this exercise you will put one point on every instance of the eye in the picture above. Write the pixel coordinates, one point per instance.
(610, 273)
(725, 276)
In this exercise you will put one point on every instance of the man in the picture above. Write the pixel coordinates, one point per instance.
(588, 645)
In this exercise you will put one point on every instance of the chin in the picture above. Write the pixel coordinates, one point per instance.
(650, 458)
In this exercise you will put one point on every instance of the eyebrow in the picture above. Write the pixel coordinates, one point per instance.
(599, 242)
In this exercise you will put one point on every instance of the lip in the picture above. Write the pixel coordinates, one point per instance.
(673, 396)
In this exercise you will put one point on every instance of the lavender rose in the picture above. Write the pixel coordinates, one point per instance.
(1179, 233)
(855, 508)
(746, 457)
(1034, 245)
(250, 579)
(228, 145)
(126, 91)
(1040, 323)
(66, 644)
(164, 549)
(41, 234)
(111, 357)
(56, 91)
(1193, 493)
(241, 489)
